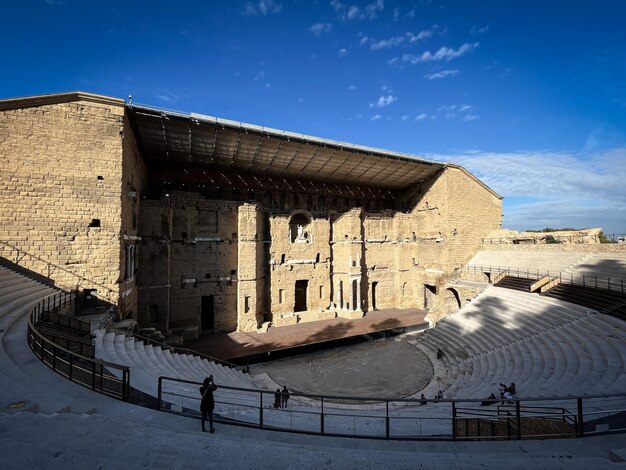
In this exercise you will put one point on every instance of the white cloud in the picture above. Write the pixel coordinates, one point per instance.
(441, 74)
(443, 54)
(167, 97)
(406, 117)
(376, 117)
(347, 12)
(556, 188)
(352, 88)
(261, 7)
(319, 28)
(453, 111)
(343, 52)
(395, 41)
(476, 30)
(384, 101)
(421, 117)
(396, 14)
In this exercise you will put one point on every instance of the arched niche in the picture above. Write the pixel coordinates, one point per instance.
(300, 228)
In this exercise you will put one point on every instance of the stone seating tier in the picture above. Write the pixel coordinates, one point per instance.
(547, 347)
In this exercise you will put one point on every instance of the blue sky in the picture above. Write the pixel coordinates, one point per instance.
(530, 96)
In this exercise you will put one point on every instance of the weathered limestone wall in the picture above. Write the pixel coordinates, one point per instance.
(452, 213)
(134, 176)
(306, 260)
(347, 262)
(60, 190)
(251, 269)
(188, 251)
(392, 257)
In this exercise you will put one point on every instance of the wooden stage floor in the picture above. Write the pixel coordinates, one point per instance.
(228, 346)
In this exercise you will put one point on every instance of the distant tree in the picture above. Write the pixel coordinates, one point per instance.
(550, 240)
(603, 238)
(548, 230)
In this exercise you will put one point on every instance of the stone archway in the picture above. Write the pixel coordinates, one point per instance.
(450, 302)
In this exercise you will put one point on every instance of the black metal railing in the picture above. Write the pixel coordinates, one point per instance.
(404, 419)
(101, 376)
(585, 280)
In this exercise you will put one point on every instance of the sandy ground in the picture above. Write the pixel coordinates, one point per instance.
(385, 367)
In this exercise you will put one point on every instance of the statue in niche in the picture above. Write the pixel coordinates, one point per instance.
(302, 236)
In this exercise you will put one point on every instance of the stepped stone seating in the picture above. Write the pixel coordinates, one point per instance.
(546, 346)
(599, 267)
(147, 363)
(58, 423)
(543, 261)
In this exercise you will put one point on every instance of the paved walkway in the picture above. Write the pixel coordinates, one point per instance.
(236, 345)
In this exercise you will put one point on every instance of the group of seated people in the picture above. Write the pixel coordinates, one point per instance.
(506, 393)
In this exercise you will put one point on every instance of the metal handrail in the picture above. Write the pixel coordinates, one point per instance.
(613, 284)
(178, 349)
(385, 411)
(40, 345)
(52, 266)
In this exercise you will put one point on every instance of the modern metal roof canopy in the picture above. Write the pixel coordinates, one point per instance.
(232, 145)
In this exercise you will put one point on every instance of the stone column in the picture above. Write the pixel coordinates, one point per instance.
(358, 295)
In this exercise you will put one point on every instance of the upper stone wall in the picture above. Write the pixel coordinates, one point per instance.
(60, 191)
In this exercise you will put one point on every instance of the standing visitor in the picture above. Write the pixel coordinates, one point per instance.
(208, 402)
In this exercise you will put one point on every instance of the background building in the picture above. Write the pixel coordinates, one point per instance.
(190, 223)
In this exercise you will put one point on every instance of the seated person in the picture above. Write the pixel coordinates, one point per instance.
(489, 401)
(512, 388)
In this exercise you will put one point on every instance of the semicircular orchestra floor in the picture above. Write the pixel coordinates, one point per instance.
(388, 367)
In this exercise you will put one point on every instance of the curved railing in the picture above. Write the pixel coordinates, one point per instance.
(100, 376)
(180, 350)
(403, 419)
(592, 281)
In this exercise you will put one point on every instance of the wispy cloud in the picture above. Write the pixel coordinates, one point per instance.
(342, 52)
(167, 97)
(454, 111)
(445, 54)
(320, 28)
(441, 74)
(261, 7)
(555, 188)
(421, 117)
(347, 12)
(395, 41)
(476, 30)
(376, 117)
(384, 101)
(352, 87)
